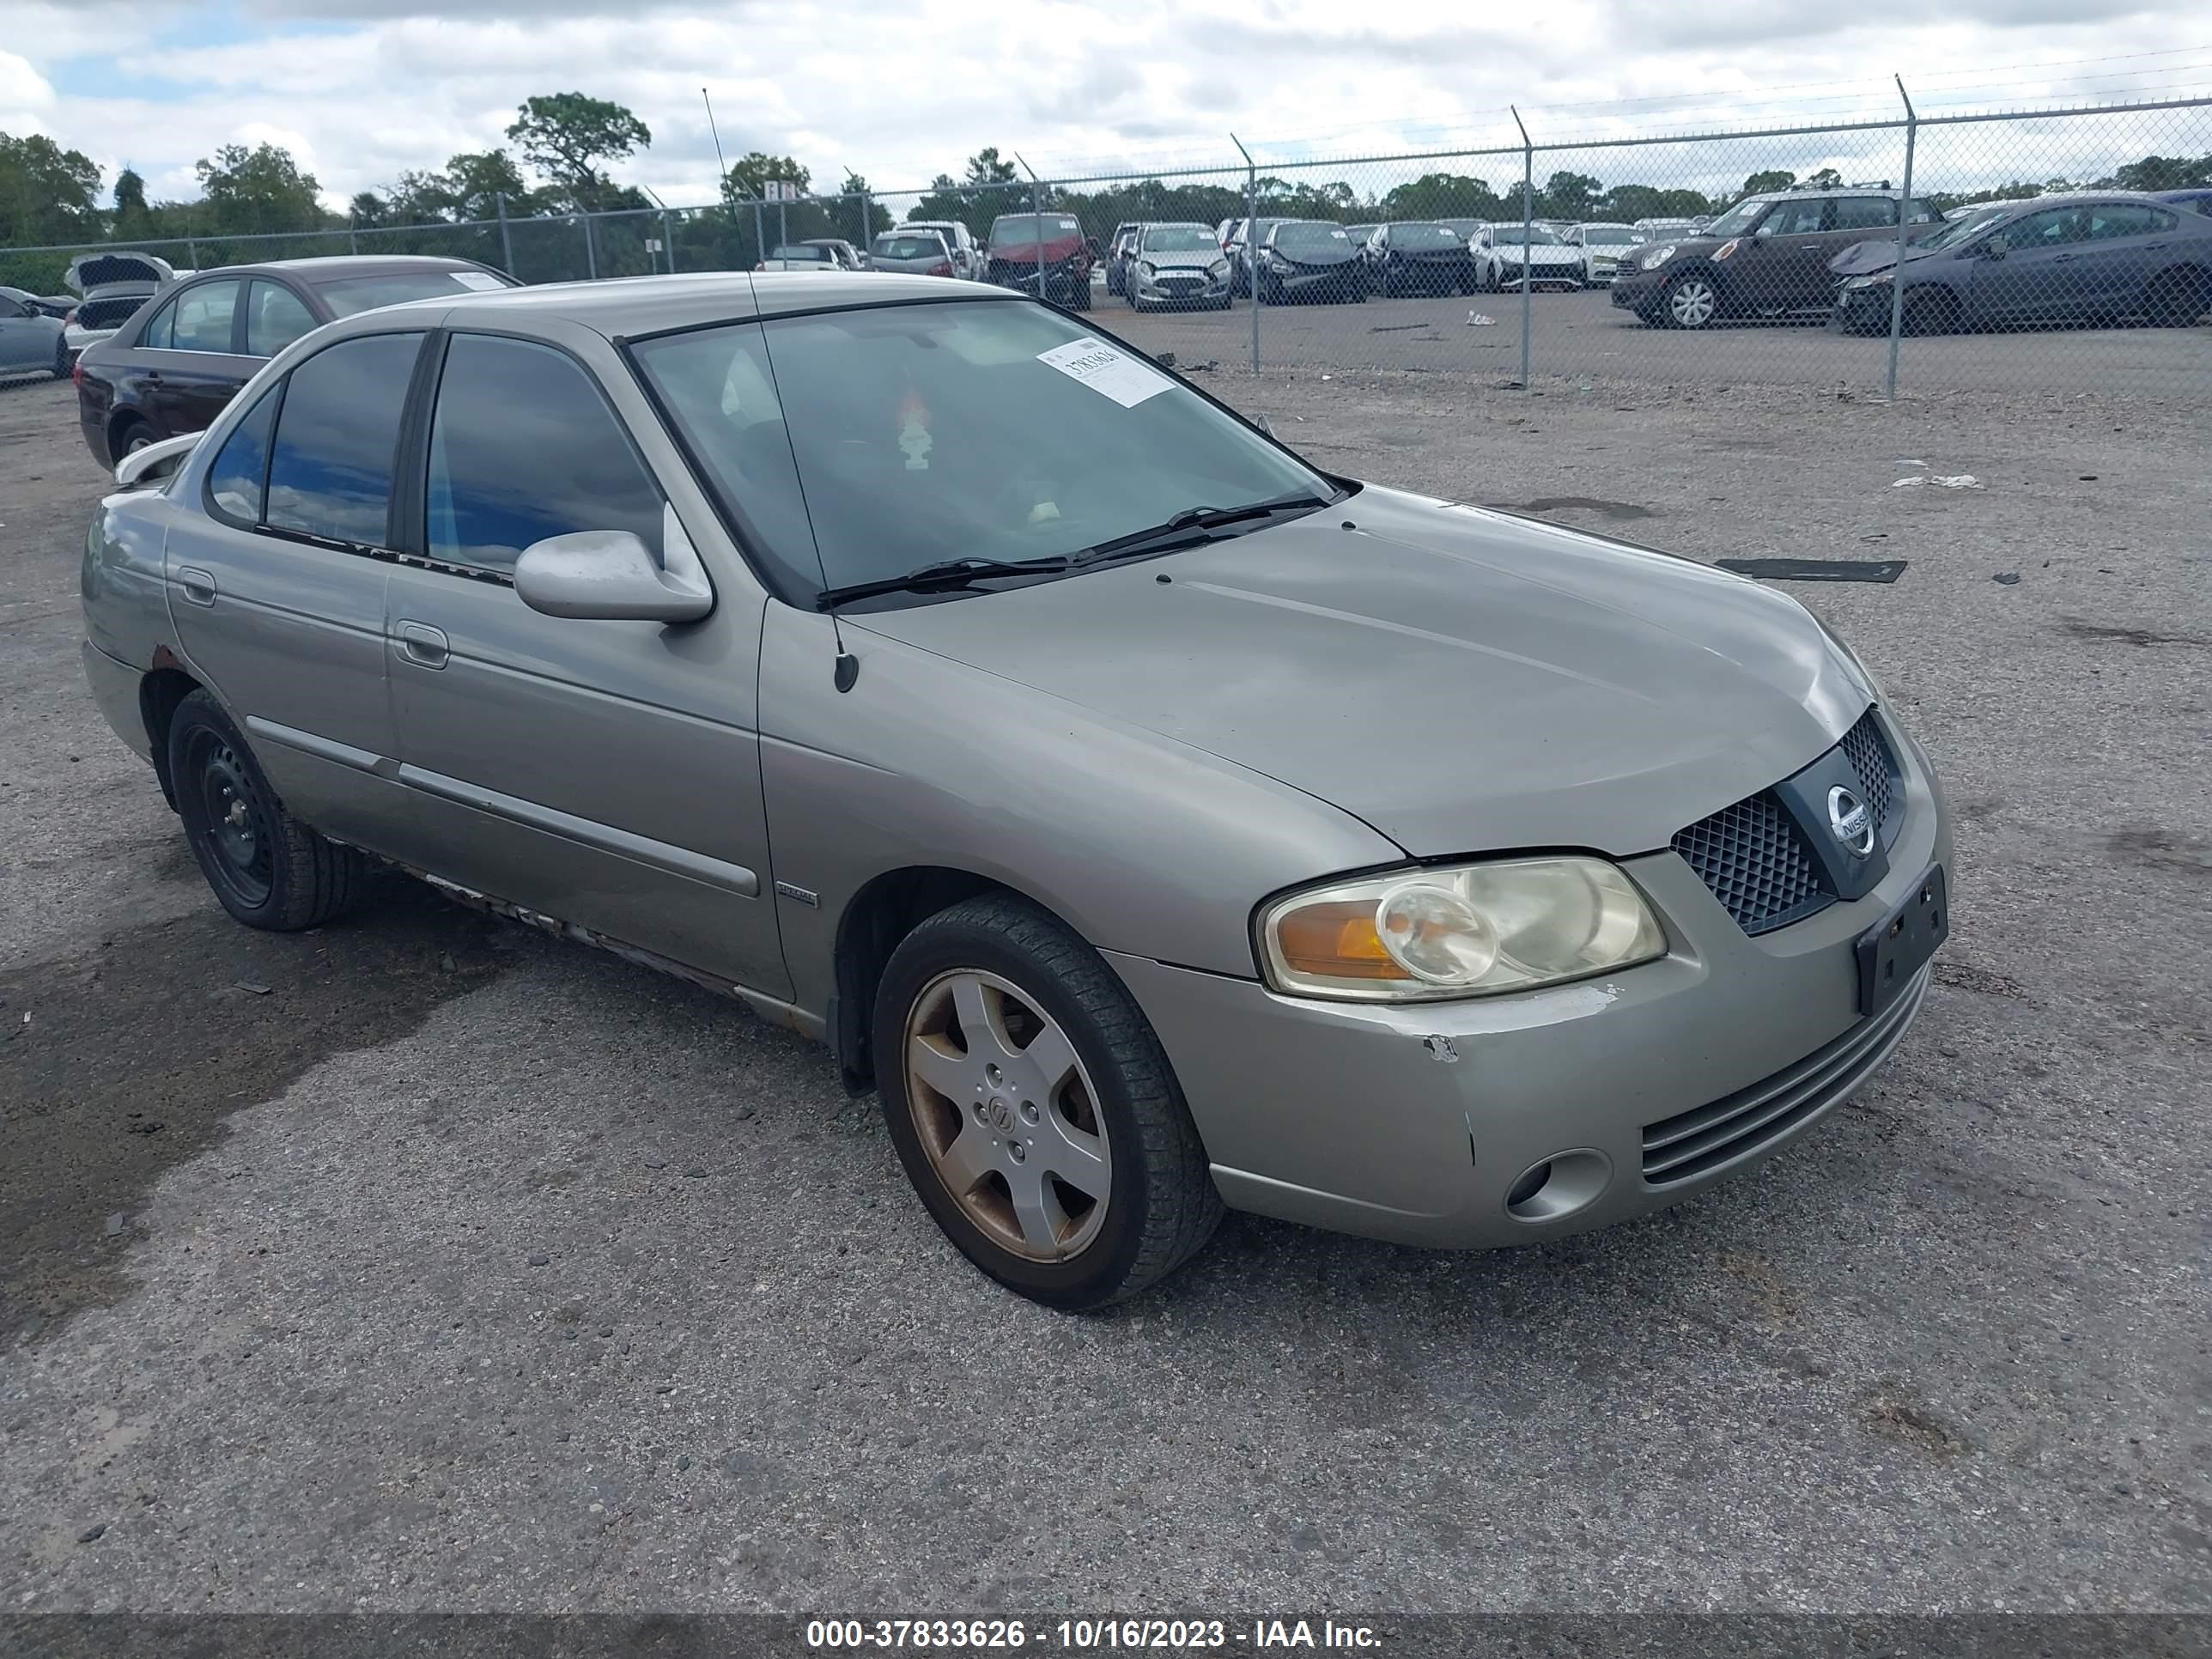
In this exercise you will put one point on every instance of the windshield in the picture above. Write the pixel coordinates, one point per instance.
(1613, 236)
(1424, 236)
(1180, 239)
(1537, 236)
(909, 247)
(977, 429)
(1964, 229)
(1311, 237)
(345, 296)
(1738, 219)
(1020, 230)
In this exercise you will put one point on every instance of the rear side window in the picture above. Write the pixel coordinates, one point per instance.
(200, 318)
(1865, 212)
(329, 469)
(2110, 219)
(234, 482)
(274, 316)
(524, 446)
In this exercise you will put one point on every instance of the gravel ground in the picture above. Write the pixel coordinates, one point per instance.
(1583, 336)
(424, 1263)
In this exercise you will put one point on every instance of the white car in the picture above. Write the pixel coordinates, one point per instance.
(802, 256)
(110, 287)
(1606, 248)
(1504, 253)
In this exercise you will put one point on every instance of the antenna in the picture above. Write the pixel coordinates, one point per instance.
(713, 128)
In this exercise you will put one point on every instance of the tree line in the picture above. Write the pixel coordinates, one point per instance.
(558, 165)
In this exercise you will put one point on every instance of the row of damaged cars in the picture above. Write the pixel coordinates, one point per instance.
(1831, 255)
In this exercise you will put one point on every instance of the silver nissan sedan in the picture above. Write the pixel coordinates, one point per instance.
(1155, 822)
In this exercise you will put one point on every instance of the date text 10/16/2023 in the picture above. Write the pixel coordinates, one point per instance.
(1091, 1635)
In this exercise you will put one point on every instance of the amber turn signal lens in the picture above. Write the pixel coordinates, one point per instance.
(1338, 940)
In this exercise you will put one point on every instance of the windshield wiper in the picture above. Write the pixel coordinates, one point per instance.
(1192, 526)
(932, 578)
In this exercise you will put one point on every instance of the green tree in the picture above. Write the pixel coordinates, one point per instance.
(1569, 196)
(47, 194)
(258, 190)
(986, 189)
(129, 200)
(1772, 178)
(1442, 196)
(568, 137)
(1825, 179)
(2164, 172)
(752, 172)
(879, 216)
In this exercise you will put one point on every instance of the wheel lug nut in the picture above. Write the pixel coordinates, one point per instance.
(1029, 1110)
(1017, 1150)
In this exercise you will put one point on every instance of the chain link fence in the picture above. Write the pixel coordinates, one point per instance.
(2040, 251)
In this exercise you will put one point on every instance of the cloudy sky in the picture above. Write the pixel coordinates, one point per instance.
(901, 89)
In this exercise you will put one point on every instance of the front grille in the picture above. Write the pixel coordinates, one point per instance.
(1696, 1142)
(1753, 858)
(1868, 751)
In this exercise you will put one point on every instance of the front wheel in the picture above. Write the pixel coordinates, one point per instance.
(1034, 1109)
(64, 359)
(1691, 301)
(268, 869)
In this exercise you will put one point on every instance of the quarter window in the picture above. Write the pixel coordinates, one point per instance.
(235, 482)
(524, 446)
(2112, 219)
(274, 316)
(330, 470)
(1865, 212)
(202, 318)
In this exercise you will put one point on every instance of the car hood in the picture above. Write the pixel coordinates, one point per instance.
(1318, 259)
(1461, 680)
(1861, 258)
(1198, 258)
(1546, 253)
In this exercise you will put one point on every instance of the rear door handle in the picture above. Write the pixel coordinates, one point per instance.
(422, 645)
(2060, 259)
(199, 583)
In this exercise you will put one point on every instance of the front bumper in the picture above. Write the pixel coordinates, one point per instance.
(1636, 289)
(1191, 286)
(1415, 1122)
(1348, 279)
(1508, 276)
(1862, 310)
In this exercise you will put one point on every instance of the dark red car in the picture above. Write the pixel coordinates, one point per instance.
(186, 351)
(1021, 242)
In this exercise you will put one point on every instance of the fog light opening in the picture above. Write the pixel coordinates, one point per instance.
(1558, 1186)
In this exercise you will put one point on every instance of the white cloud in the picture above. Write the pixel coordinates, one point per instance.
(362, 90)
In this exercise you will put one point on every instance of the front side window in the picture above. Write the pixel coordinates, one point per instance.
(274, 316)
(1865, 212)
(2052, 228)
(331, 466)
(200, 318)
(1798, 218)
(973, 429)
(524, 446)
(1735, 222)
(234, 480)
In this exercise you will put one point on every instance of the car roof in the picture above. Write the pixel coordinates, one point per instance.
(341, 265)
(626, 307)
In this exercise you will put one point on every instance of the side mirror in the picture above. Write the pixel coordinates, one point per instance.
(608, 576)
(1996, 247)
(156, 461)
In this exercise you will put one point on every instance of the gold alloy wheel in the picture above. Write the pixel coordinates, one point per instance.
(1007, 1115)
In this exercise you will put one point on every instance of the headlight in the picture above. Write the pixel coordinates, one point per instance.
(1727, 248)
(1880, 279)
(1145, 268)
(1470, 930)
(1658, 257)
(1218, 268)
(1276, 261)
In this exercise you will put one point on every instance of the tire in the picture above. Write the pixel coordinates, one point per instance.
(2175, 299)
(1690, 301)
(131, 435)
(269, 869)
(1114, 1116)
(64, 362)
(1934, 312)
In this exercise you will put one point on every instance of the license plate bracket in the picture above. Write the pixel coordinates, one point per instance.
(1895, 948)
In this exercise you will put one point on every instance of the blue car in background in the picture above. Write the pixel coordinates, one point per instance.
(2107, 256)
(2198, 200)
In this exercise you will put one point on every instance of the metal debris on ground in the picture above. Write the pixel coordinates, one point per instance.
(1476, 320)
(1941, 481)
(1816, 570)
(2008, 578)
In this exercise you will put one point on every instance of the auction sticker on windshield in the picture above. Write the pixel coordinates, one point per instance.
(480, 281)
(1118, 375)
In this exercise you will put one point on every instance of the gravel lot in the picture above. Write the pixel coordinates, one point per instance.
(424, 1263)
(1581, 336)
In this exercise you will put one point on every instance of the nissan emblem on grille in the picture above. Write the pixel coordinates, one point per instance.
(1851, 822)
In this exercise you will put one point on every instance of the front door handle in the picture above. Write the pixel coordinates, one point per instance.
(199, 583)
(422, 645)
(1809, 247)
(2062, 258)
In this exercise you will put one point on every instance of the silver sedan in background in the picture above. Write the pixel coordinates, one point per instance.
(1154, 821)
(1177, 265)
(912, 253)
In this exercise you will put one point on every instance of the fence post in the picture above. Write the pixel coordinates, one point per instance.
(668, 241)
(353, 232)
(192, 247)
(591, 250)
(1897, 271)
(760, 230)
(867, 220)
(1528, 223)
(1245, 251)
(1036, 226)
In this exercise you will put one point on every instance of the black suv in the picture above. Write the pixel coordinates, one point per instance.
(1765, 256)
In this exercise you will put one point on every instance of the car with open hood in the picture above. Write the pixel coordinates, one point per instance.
(1765, 256)
(1155, 821)
(111, 285)
(1175, 264)
(2103, 255)
(177, 361)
